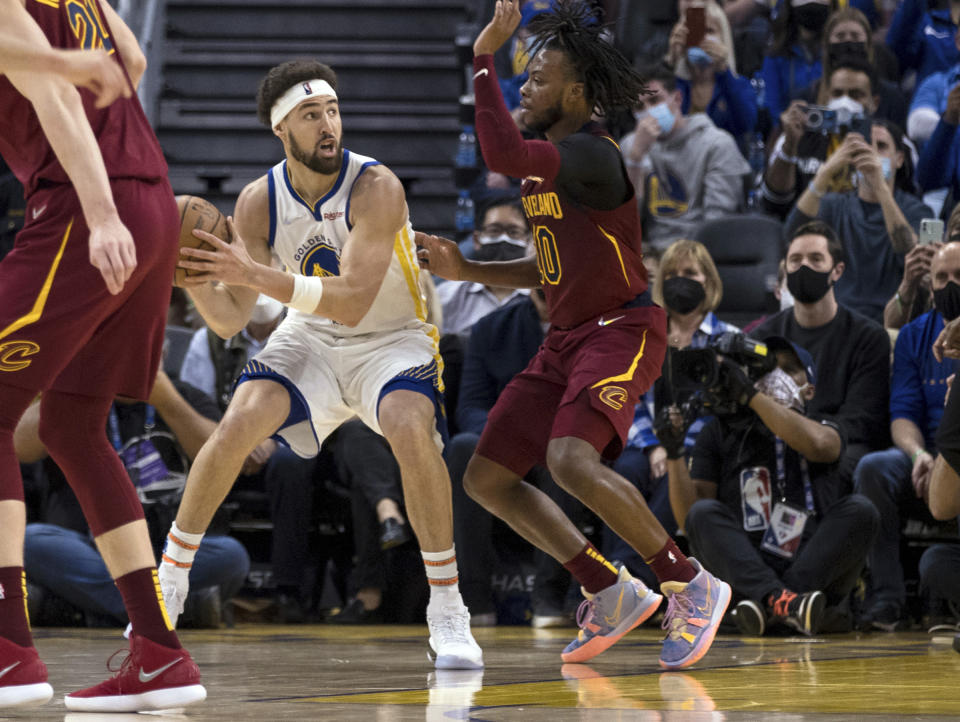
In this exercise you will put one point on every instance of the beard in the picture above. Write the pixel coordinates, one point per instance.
(546, 119)
(324, 166)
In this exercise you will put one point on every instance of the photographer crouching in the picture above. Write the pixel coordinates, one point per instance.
(751, 500)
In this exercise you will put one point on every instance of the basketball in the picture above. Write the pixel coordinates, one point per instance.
(195, 212)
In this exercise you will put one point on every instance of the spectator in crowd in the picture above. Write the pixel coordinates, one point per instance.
(688, 286)
(847, 32)
(793, 61)
(897, 479)
(503, 234)
(938, 165)
(156, 441)
(367, 466)
(764, 504)
(501, 344)
(685, 170)
(707, 75)
(921, 35)
(852, 352)
(878, 221)
(800, 150)
(913, 297)
(931, 100)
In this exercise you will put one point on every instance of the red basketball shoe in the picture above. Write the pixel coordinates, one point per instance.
(23, 677)
(151, 677)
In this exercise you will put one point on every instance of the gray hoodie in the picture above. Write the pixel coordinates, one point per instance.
(695, 175)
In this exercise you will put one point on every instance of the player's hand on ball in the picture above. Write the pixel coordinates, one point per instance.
(440, 256)
(174, 585)
(228, 263)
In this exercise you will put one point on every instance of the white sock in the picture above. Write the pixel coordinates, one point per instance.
(442, 573)
(181, 547)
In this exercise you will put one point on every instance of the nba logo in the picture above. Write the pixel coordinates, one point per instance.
(755, 498)
(307, 90)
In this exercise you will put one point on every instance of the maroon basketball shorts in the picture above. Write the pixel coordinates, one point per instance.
(584, 382)
(59, 326)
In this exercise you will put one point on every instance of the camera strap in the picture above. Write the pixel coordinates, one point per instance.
(781, 452)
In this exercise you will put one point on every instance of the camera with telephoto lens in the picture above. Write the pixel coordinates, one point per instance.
(699, 379)
(821, 119)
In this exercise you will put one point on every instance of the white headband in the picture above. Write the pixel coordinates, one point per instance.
(300, 92)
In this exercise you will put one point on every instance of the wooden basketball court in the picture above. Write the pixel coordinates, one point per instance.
(382, 674)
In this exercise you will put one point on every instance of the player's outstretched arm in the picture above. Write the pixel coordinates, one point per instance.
(443, 258)
(61, 115)
(91, 69)
(226, 305)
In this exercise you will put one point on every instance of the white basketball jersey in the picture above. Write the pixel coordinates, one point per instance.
(309, 241)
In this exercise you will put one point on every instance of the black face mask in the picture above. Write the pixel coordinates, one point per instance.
(812, 16)
(807, 285)
(499, 252)
(845, 50)
(682, 294)
(947, 301)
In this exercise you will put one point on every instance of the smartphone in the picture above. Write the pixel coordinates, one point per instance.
(931, 231)
(695, 18)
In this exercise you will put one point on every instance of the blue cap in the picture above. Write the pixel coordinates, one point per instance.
(532, 8)
(779, 343)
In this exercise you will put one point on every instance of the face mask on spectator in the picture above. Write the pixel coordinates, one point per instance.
(267, 309)
(500, 248)
(811, 15)
(699, 57)
(780, 386)
(661, 113)
(846, 48)
(682, 294)
(807, 285)
(947, 301)
(846, 103)
(786, 298)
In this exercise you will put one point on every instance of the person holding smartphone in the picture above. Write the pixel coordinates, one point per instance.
(702, 57)
(878, 220)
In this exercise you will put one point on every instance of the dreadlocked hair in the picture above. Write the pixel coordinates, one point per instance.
(573, 27)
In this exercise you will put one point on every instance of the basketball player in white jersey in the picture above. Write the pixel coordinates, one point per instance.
(355, 342)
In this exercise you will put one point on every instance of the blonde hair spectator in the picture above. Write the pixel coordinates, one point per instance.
(670, 264)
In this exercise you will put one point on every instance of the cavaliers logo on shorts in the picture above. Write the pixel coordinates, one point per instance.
(14, 354)
(614, 396)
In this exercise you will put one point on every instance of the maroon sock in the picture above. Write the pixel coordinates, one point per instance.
(144, 602)
(592, 571)
(14, 624)
(670, 565)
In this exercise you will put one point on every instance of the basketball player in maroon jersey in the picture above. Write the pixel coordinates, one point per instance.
(83, 300)
(573, 404)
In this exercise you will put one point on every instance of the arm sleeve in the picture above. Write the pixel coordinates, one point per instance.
(741, 102)
(592, 172)
(937, 163)
(906, 386)
(504, 149)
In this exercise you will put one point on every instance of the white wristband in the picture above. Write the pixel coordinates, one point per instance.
(307, 292)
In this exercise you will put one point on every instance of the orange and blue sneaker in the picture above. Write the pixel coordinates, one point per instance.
(694, 611)
(606, 616)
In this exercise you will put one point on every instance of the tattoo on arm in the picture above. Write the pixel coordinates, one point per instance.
(902, 238)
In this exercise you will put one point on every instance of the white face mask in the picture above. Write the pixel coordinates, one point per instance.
(845, 104)
(486, 240)
(780, 386)
(786, 298)
(266, 310)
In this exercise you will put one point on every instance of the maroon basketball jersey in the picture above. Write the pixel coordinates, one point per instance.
(127, 143)
(590, 260)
